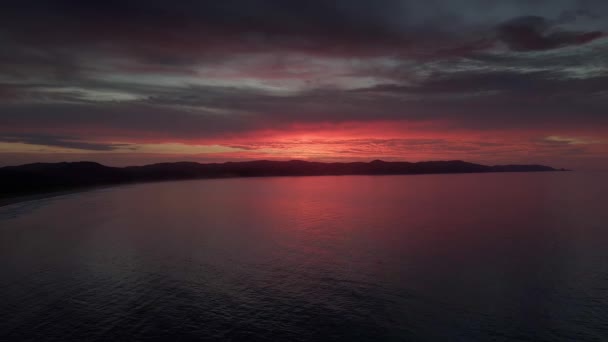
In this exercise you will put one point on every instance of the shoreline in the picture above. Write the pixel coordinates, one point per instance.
(10, 200)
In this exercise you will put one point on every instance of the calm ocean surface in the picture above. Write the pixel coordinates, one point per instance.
(477, 257)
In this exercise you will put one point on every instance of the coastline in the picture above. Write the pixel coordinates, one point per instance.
(19, 198)
(10, 200)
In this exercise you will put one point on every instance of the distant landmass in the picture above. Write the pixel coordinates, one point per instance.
(48, 177)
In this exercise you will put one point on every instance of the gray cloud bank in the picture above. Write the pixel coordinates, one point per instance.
(190, 69)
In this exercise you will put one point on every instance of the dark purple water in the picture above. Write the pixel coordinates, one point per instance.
(478, 257)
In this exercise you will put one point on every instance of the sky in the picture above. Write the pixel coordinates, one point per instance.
(135, 82)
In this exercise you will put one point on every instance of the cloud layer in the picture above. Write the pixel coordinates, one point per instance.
(116, 76)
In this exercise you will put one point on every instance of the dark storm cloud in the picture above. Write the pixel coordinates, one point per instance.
(520, 84)
(150, 28)
(62, 39)
(535, 33)
(447, 55)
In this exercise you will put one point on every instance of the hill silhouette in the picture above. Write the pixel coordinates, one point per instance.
(47, 177)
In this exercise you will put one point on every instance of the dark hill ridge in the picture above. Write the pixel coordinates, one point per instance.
(45, 177)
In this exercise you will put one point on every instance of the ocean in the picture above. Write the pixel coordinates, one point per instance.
(466, 257)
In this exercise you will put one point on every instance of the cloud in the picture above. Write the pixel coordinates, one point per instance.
(74, 73)
(59, 141)
(481, 100)
(556, 139)
(152, 31)
(531, 33)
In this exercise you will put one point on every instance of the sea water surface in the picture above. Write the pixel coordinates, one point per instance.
(474, 257)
